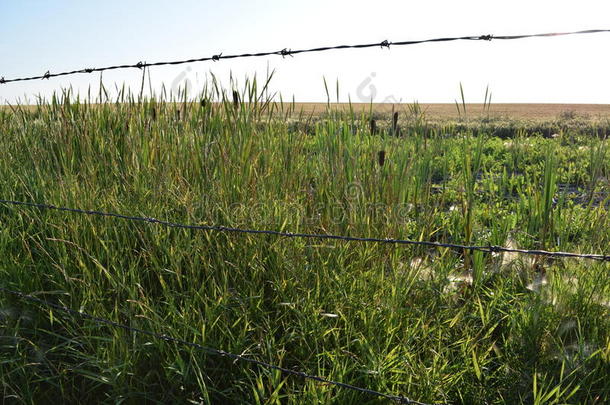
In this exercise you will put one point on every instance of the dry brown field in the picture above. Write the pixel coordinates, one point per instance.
(512, 110)
(448, 111)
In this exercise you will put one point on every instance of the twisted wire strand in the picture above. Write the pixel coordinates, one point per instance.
(219, 228)
(237, 357)
(290, 52)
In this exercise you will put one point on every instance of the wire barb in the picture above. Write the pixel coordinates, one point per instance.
(2, 80)
(285, 52)
(486, 37)
(385, 44)
(47, 75)
(216, 58)
(236, 357)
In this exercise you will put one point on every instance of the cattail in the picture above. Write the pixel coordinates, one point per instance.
(235, 99)
(373, 127)
(381, 157)
(395, 129)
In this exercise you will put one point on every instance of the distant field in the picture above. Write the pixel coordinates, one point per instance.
(515, 111)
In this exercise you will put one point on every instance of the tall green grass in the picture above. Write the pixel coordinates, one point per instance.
(403, 320)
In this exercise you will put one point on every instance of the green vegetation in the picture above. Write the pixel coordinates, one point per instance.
(435, 325)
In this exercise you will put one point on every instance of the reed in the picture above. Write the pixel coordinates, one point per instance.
(403, 320)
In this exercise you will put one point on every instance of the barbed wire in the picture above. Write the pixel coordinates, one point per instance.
(218, 228)
(290, 52)
(237, 357)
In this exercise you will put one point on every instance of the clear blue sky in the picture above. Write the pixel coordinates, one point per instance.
(36, 36)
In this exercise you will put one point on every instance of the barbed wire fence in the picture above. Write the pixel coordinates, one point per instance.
(236, 357)
(218, 228)
(391, 241)
(292, 52)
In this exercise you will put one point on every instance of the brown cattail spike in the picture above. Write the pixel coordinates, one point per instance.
(381, 157)
(373, 125)
(235, 99)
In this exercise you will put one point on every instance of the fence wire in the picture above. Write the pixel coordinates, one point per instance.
(237, 357)
(290, 52)
(218, 228)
